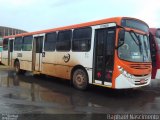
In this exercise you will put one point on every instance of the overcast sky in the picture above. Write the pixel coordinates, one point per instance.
(33, 15)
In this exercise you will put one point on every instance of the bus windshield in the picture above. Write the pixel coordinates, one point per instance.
(158, 38)
(135, 24)
(135, 48)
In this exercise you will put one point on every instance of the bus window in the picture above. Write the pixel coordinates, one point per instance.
(158, 43)
(158, 33)
(5, 44)
(39, 44)
(110, 43)
(81, 39)
(64, 40)
(50, 41)
(18, 44)
(158, 39)
(27, 43)
(134, 24)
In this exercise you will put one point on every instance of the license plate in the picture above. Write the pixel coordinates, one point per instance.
(142, 81)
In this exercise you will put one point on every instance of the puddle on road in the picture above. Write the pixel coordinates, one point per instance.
(50, 90)
(14, 96)
(29, 88)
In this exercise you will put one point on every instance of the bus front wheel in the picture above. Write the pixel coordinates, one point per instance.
(80, 79)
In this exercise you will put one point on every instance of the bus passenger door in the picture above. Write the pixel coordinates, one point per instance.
(37, 53)
(104, 56)
(10, 50)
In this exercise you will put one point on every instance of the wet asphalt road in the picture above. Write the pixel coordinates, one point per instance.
(28, 94)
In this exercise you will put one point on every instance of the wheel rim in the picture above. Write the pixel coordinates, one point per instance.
(80, 79)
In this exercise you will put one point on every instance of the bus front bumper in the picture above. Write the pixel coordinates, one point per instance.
(122, 82)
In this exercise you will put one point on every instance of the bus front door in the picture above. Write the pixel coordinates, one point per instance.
(10, 50)
(104, 56)
(37, 53)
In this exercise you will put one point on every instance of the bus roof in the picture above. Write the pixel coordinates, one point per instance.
(103, 21)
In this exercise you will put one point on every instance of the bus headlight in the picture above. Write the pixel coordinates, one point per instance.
(125, 73)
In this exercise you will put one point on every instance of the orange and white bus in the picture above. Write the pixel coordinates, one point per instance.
(112, 52)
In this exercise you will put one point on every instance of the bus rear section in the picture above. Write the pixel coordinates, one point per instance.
(112, 53)
(155, 52)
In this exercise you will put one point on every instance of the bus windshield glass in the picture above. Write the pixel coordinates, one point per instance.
(158, 38)
(135, 24)
(135, 48)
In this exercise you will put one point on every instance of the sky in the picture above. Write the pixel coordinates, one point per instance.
(34, 15)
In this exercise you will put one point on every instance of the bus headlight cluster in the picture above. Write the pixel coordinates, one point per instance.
(125, 73)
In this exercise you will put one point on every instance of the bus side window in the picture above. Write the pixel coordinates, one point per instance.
(50, 41)
(18, 44)
(64, 40)
(5, 44)
(82, 39)
(27, 43)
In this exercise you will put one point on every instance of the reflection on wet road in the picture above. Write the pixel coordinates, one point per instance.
(30, 94)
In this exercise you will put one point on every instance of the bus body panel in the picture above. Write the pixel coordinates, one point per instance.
(25, 59)
(49, 63)
(60, 64)
(5, 57)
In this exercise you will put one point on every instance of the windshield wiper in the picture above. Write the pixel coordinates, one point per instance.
(130, 32)
(138, 43)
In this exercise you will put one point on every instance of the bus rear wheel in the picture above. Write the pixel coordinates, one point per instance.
(80, 79)
(17, 68)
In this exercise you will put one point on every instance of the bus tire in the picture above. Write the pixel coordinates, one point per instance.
(17, 68)
(80, 79)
